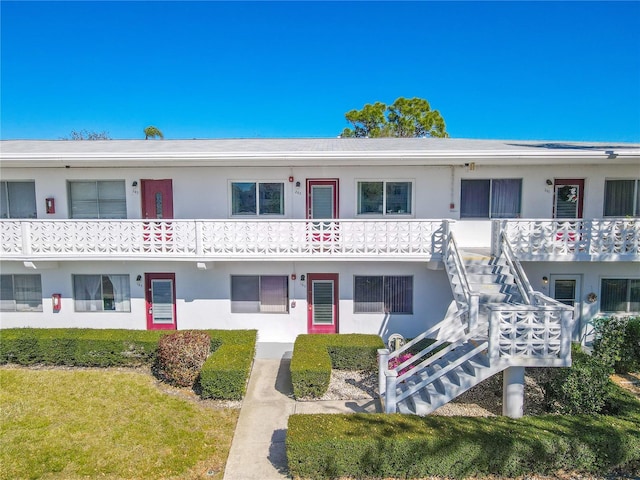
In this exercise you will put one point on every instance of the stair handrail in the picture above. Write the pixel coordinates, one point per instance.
(471, 298)
(422, 336)
(522, 281)
(440, 373)
(384, 356)
(451, 249)
(428, 361)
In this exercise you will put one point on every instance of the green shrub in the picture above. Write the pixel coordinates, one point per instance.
(404, 446)
(224, 375)
(78, 347)
(315, 355)
(582, 388)
(617, 342)
(181, 356)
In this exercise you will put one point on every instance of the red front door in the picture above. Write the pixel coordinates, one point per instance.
(322, 198)
(160, 297)
(568, 198)
(322, 301)
(157, 198)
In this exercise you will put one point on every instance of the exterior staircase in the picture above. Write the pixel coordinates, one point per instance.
(500, 322)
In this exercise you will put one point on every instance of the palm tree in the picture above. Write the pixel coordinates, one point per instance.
(152, 132)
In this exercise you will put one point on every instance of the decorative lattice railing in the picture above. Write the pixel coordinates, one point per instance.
(597, 239)
(527, 335)
(227, 239)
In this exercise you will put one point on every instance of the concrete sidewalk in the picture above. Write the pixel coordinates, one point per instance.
(258, 446)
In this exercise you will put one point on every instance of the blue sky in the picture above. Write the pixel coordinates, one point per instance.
(503, 70)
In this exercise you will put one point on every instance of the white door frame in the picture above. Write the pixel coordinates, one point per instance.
(578, 333)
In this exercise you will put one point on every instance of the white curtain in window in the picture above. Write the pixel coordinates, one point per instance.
(274, 296)
(619, 198)
(505, 198)
(87, 293)
(121, 292)
(28, 293)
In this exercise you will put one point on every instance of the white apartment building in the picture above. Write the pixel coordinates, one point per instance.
(292, 236)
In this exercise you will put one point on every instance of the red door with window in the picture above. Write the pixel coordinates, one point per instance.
(157, 198)
(567, 204)
(160, 295)
(322, 203)
(322, 301)
(157, 203)
(568, 198)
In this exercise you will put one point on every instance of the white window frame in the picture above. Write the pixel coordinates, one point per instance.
(261, 308)
(491, 180)
(33, 296)
(102, 299)
(7, 201)
(384, 212)
(385, 309)
(628, 310)
(97, 199)
(257, 205)
(636, 202)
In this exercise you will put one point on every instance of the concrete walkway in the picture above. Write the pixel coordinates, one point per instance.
(258, 449)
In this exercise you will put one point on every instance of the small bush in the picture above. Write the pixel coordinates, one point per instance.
(582, 388)
(181, 356)
(617, 342)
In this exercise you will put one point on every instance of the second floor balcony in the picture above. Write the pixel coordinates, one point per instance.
(608, 239)
(340, 239)
(202, 240)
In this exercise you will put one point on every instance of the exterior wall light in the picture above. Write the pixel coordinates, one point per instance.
(545, 280)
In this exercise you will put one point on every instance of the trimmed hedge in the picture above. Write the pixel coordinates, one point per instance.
(315, 355)
(224, 374)
(402, 446)
(78, 347)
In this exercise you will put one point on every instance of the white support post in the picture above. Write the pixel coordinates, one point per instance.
(494, 336)
(474, 309)
(513, 392)
(199, 237)
(390, 394)
(383, 366)
(26, 238)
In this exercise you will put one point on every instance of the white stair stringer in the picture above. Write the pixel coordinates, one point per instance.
(445, 379)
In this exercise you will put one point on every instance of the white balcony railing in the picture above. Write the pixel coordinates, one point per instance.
(595, 240)
(225, 239)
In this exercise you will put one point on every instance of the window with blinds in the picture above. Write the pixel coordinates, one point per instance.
(97, 199)
(18, 200)
(20, 293)
(259, 294)
(620, 295)
(383, 294)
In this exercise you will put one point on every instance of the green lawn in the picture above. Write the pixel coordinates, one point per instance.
(71, 424)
